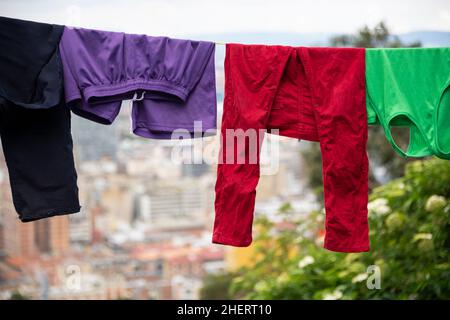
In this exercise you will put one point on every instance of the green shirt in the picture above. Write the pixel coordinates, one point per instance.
(410, 87)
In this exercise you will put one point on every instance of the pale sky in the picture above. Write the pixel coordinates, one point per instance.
(191, 17)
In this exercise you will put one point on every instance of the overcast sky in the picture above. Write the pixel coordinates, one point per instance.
(191, 17)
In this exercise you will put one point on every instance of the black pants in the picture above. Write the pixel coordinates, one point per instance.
(34, 121)
(37, 145)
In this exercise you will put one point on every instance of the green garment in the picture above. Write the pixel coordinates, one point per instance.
(410, 87)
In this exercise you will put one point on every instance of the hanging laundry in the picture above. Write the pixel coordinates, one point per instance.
(171, 82)
(316, 94)
(34, 121)
(409, 87)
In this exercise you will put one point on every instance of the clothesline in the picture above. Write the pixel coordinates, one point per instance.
(327, 95)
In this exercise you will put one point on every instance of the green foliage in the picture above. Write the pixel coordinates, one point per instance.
(16, 295)
(378, 37)
(410, 244)
(215, 286)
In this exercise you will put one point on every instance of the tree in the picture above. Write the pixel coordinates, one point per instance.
(378, 37)
(215, 286)
(16, 295)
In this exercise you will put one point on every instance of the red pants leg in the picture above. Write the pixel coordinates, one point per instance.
(337, 80)
(250, 87)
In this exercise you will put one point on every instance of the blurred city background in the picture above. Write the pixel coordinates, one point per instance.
(144, 231)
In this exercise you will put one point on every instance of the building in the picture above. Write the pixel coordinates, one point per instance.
(93, 141)
(17, 238)
(52, 235)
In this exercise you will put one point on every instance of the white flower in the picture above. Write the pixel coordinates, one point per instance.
(282, 279)
(261, 286)
(360, 277)
(306, 261)
(335, 295)
(299, 239)
(422, 236)
(379, 206)
(435, 203)
(377, 202)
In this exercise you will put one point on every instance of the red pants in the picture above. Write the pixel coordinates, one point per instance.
(315, 94)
